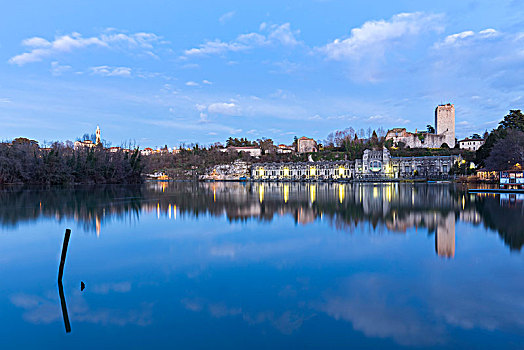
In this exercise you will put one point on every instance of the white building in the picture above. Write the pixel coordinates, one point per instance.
(471, 144)
(253, 151)
(84, 144)
(281, 149)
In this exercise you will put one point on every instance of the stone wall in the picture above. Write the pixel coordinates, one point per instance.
(415, 140)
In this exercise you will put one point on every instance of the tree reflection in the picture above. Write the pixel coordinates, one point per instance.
(390, 207)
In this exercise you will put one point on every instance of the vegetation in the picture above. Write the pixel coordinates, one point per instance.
(23, 161)
(509, 136)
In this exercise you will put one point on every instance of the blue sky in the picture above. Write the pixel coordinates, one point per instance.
(167, 72)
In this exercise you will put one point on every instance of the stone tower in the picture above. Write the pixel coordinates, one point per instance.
(445, 123)
(97, 135)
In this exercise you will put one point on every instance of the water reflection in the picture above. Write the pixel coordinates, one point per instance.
(264, 265)
(394, 207)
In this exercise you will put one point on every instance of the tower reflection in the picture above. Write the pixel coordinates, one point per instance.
(389, 207)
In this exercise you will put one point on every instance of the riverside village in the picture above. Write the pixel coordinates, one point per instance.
(433, 154)
(395, 155)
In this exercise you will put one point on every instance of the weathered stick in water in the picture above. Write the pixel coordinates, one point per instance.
(60, 286)
(63, 257)
(64, 307)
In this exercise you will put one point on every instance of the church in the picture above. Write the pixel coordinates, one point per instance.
(89, 143)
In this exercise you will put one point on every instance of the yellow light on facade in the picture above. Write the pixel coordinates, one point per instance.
(341, 193)
(261, 193)
(261, 172)
(312, 171)
(286, 173)
(286, 193)
(313, 193)
(341, 171)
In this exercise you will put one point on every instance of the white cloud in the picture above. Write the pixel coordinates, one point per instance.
(41, 48)
(207, 82)
(374, 37)
(467, 36)
(58, 69)
(192, 83)
(284, 34)
(111, 71)
(226, 17)
(489, 32)
(224, 108)
(276, 34)
(201, 107)
(36, 42)
(106, 288)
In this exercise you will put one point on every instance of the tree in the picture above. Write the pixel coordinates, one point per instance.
(430, 128)
(374, 138)
(476, 137)
(514, 120)
(507, 151)
(266, 145)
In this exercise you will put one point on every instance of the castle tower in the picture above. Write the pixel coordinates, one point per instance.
(445, 123)
(97, 135)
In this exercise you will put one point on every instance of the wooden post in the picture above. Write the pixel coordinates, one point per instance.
(60, 286)
(63, 257)
(64, 307)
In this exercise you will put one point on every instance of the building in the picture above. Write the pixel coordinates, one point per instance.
(252, 151)
(282, 149)
(84, 144)
(306, 145)
(445, 123)
(471, 144)
(511, 179)
(98, 139)
(146, 151)
(416, 139)
(444, 131)
(375, 164)
(89, 143)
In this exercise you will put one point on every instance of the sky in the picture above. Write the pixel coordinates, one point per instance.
(163, 72)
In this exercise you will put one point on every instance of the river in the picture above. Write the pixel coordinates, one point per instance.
(262, 265)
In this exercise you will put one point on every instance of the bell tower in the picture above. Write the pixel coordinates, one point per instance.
(97, 135)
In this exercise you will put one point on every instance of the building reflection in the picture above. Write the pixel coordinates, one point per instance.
(445, 237)
(389, 207)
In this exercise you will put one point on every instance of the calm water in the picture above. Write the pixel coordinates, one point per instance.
(262, 266)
